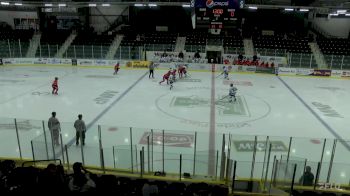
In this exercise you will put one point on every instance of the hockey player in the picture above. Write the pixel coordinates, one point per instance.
(55, 86)
(171, 81)
(173, 75)
(182, 71)
(166, 77)
(225, 72)
(232, 93)
(116, 69)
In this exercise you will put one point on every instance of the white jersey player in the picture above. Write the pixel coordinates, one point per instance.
(232, 93)
(225, 72)
(171, 81)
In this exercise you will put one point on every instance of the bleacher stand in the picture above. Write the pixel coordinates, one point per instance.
(14, 43)
(50, 43)
(296, 49)
(90, 45)
(130, 46)
(336, 52)
(54, 179)
(196, 41)
(160, 41)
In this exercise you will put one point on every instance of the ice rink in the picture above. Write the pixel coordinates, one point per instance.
(308, 109)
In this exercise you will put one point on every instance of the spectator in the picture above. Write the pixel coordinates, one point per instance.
(7, 169)
(52, 179)
(149, 189)
(164, 54)
(307, 179)
(197, 55)
(54, 127)
(240, 57)
(255, 57)
(80, 182)
(80, 128)
(181, 55)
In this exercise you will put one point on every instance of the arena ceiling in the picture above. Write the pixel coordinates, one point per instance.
(317, 4)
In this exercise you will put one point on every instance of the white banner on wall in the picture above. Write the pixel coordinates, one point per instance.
(304, 72)
(99, 62)
(287, 71)
(337, 73)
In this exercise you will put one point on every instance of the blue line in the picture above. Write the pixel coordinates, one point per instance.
(70, 143)
(330, 129)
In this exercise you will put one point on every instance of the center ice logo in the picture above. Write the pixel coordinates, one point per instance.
(222, 105)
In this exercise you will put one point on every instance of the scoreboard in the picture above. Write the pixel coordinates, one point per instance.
(217, 14)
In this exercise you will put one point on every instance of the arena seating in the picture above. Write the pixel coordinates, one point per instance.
(233, 44)
(55, 179)
(51, 42)
(336, 52)
(297, 49)
(196, 41)
(160, 41)
(130, 46)
(14, 43)
(89, 45)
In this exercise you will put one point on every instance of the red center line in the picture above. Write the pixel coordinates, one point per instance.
(211, 155)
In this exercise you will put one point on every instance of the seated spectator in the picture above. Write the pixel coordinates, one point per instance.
(266, 64)
(226, 61)
(197, 55)
(262, 64)
(164, 54)
(255, 57)
(307, 179)
(80, 182)
(240, 56)
(149, 189)
(181, 55)
(272, 65)
(52, 179)
(190, 59)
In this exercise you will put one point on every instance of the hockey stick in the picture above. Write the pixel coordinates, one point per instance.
(219, 75)
(222, 98)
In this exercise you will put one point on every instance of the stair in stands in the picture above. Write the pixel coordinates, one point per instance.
(66, 45)
(114, 46)
(33, 46)
(320, 60)
(248, 47)
(180, 44)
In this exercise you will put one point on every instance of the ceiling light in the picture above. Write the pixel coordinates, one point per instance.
(92, 4)
(5, 3)
(347, 14)
(106, 5)
(288, 9)
(186, 5)
(48, 4)
(253, 8)
(333, 14)
(304, 10)
(18, 4)
(62, 5)
(138, 5)
(152, 5)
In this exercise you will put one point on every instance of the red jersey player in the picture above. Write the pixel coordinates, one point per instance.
(182, 70)
(55, 86)
(166, 77)
(116, 69)
(173, 74)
